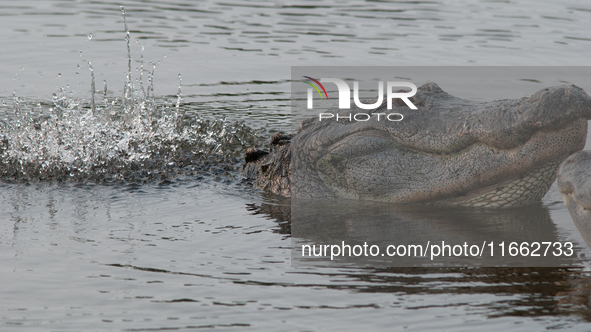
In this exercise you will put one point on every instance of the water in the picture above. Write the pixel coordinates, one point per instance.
(131, 214)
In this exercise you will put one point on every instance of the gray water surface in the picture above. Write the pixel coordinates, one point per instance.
(179, 241)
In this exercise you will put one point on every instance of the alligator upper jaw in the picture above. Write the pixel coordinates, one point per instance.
(447, 124)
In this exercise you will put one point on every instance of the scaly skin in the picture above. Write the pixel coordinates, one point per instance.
(450, 151)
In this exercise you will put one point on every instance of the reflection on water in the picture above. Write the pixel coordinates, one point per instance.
(205, 250)
(474, 237)
(140, 257)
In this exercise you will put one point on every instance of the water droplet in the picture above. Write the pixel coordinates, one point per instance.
(89, 36)
(59, 75)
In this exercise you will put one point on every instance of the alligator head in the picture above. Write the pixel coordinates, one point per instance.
(449, 151)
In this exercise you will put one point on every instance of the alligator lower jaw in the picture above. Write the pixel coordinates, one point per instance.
(580, 214)
(574, 184)
(526, 189)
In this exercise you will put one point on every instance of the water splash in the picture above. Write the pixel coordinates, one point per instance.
(72, 140)
(92, 88)
(179, 94)
(128, 87)
(136, 138)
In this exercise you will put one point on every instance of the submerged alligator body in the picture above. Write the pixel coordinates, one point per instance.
(449, 151)
(574, 183)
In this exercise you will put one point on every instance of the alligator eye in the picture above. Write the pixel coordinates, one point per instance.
(333, 169)
(352, 164)
(360, 143)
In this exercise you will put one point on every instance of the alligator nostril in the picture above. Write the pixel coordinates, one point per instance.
(280, 139)
(253, 155)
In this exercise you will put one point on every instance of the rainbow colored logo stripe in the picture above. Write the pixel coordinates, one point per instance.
(315, 87)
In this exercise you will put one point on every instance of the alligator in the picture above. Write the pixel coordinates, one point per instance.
(574, 183)
(449, 151)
